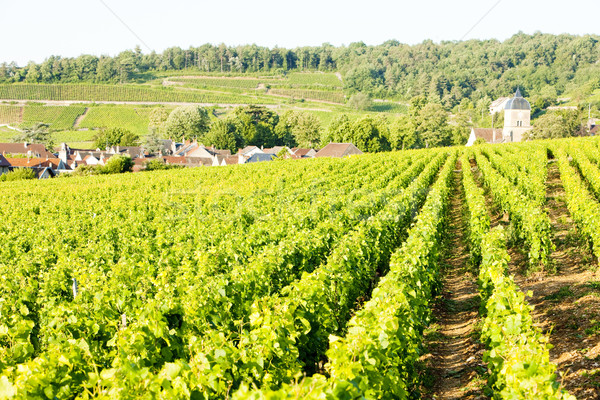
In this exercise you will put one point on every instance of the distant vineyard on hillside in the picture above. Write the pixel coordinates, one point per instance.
(10, 114)
(319, 95)
(58, 117)
(94, 93)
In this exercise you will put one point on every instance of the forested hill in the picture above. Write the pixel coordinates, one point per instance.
(446, 72)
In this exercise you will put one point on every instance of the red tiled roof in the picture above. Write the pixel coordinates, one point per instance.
(302, 152)
(231, 160)
(338, 150)
(21, 148)
(488, 134)
(27, 162)
(174, 160)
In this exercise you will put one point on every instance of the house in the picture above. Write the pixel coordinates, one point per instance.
(488, 134)
(338, 150)
(4, 165)
(276, 150)
(249, 151)
(498, 105)
(260, 157)
(26, 149)
(517, 121)
(517, 118)
(304, 153)
(56, 165)
(44, 173)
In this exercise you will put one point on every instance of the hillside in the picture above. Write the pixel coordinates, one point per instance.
(447, 72)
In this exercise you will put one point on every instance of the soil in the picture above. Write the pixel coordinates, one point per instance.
(80, 118)
(454, 358)
(566, 301)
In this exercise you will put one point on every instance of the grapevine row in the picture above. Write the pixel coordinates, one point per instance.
(531, 222)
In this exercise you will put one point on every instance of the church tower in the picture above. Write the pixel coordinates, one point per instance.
(517, 118)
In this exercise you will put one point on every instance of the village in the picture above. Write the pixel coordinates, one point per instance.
(65, 160)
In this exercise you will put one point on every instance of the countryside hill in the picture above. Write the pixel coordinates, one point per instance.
(462, 77)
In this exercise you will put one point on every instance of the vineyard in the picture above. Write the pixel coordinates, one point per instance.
(127, 93)
(321, 279)
(134, 119)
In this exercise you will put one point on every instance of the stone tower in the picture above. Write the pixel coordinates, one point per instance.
(517, 115)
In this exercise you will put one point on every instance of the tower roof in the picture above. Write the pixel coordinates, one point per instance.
(517, 103)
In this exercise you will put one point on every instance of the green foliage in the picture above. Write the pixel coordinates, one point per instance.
(38, 133)
(157, 118)
(477, 211)
(17, 175)
(366, 135)
(152, 142)
(582, 205)
(157, 164)
(360, 101)
(531, 222)
(115, 137)
(256, 125)
(560, 124)
(518, 354)
(93, 93)
(298, 128)
(223, 135)
(117, 164)
(187, 122)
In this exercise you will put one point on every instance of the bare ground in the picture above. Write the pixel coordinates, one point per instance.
(567, 303)
(80, 118)
(454, 351)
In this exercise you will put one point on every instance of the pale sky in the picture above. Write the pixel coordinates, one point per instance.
(36, 29)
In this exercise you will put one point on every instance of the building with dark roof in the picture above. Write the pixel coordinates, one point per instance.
(260, 157)
(517, 118)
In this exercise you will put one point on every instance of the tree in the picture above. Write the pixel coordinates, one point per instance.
(115, 137)
(431, 126)
(222, 135)
(33, 73)
(367, 136)
(338, 131)
(157, 119)
(17, 175)
(38, 133)
(256, 125)
(402, 134)
(556, 125)
(117, 164)
(153, 143)
(360, 101)
(157, 164)
(187, 122)
(298, 128)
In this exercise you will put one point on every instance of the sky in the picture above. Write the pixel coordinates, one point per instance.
(32, 30)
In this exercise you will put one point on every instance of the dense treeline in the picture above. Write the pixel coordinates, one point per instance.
(445, 73)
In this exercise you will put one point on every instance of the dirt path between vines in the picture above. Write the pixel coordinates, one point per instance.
(455, 353)
(80, 118)
(567, 303)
